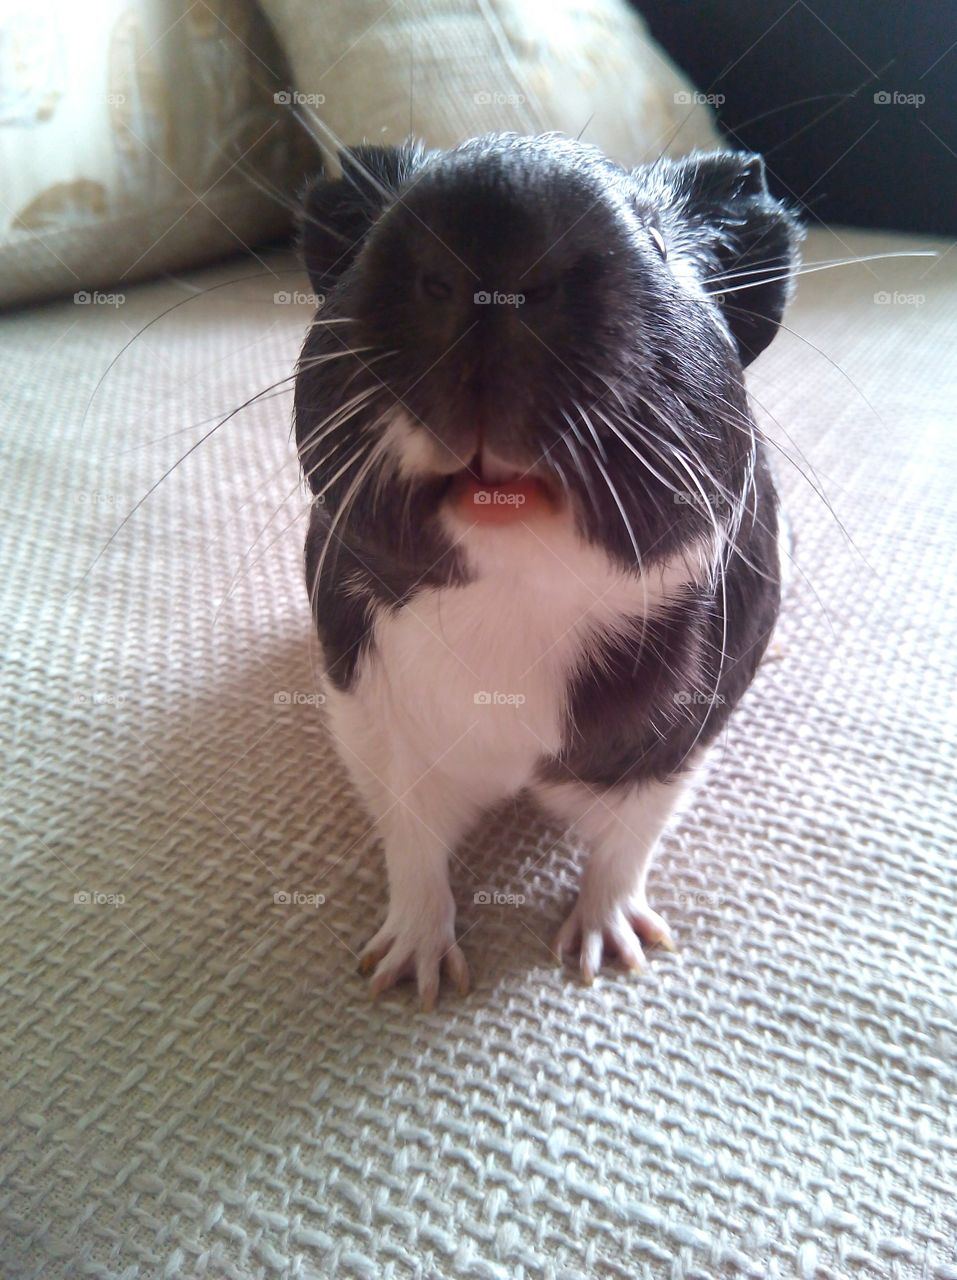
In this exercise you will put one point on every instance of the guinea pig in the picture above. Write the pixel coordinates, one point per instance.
(543, 549)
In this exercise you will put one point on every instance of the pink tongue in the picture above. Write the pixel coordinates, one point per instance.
(500, 503)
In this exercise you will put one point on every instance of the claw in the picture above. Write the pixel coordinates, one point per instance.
(614, 932)
(382, 982)
(591, 954)
(651, 929)
(458, 969)
(397, 954)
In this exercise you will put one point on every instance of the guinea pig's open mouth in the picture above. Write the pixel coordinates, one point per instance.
(489, 492)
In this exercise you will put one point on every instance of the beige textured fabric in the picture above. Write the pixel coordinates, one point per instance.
(194, 1081)
(451, 69)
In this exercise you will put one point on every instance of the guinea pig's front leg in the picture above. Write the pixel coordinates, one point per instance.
(418, 824)
(621, 828)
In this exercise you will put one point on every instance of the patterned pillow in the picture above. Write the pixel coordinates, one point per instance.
(137, 138)
(449, 69)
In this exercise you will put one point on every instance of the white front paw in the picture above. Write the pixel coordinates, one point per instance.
(600, 930)
(416, 941)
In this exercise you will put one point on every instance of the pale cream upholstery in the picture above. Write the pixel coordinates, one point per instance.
(195, 1082)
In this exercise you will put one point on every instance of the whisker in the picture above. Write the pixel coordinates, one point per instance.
(577, 459)
(313, 499)
(828, 266)
(153, 487)
(199, 293)
(375, 454)
(641, 458)
(269, 393)
(621, 511)
(805, 267)
(594, 434)
(339, 417)
(752, 429)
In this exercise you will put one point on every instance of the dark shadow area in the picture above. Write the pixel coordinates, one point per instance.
(853, 106)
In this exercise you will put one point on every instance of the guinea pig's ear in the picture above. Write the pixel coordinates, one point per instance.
(338, 212)
(743, 240)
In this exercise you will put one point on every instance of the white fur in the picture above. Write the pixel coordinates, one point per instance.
(621, 829)
(540, 601)
(462, 694)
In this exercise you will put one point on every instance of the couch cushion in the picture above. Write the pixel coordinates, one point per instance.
(137, 138)
(446, 70)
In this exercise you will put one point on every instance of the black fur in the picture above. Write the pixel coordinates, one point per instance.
(643, 707)
(608, 336)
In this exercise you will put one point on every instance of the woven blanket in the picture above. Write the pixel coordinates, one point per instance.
(195, 1082)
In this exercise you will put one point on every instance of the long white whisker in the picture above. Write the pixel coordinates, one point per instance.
(807, 267)
(340, 414)
(376, 453)
(787, 275)
(594, 434)
(311, 502)
(640, 456)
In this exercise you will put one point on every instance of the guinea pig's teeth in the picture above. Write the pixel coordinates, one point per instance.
(492, 470)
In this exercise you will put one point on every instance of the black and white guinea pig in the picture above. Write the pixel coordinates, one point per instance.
(543, 549)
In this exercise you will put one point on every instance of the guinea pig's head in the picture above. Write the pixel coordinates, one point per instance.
(523, 308)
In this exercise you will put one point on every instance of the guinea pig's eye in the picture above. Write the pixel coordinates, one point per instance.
(539, 292)
(659, 242)
(436, 287)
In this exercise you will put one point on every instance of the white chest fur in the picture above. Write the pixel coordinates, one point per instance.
(473, 680)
